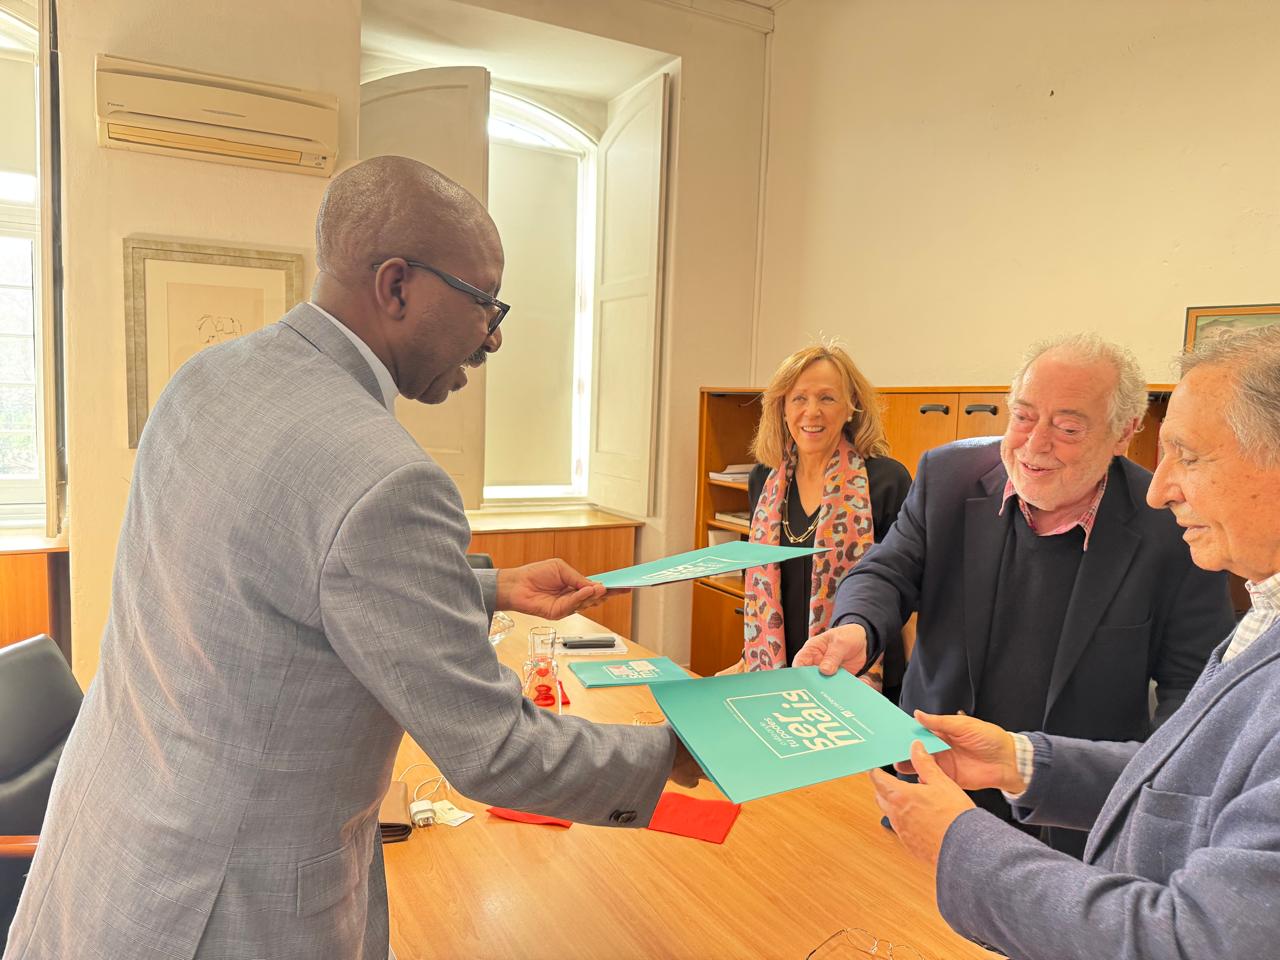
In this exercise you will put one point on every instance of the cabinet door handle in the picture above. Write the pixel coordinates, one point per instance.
(972, 408)
(941, 408)
(739, 611)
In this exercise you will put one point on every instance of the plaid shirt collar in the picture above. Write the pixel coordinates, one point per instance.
(1265, 594)
(1264, 611)
(1085, 521)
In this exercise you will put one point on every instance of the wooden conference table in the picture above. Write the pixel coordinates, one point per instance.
(794, 869)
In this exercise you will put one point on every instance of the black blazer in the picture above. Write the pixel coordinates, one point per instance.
(1140, 608)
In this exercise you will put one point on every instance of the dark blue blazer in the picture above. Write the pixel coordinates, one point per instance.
(1139, 610)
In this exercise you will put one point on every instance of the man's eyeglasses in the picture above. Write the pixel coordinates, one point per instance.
(475, 293)
(854, 942)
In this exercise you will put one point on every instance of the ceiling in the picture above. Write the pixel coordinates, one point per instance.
(395, 37)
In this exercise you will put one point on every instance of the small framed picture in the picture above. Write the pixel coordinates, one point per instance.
(180, 297)
(1208, 322)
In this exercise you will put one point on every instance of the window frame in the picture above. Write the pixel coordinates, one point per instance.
(22, 502)
(567, 140)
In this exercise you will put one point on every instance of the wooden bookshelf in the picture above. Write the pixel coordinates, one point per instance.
(727, 419)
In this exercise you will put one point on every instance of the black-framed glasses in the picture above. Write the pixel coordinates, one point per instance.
(475, 293)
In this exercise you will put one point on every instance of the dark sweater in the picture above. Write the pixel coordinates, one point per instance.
(888, 481)
(1014, 686)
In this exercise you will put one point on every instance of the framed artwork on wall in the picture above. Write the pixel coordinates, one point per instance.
(1208, 322)
(180, 297)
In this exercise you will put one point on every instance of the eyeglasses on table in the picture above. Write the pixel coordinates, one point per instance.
(855, 943)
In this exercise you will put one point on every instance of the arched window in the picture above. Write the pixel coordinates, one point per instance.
(542, 197)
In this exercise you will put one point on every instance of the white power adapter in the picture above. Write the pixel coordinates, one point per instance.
(422, 813)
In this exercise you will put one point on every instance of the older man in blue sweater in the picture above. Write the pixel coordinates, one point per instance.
(1183, 858)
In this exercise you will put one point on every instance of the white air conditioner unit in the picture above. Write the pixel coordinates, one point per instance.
(202, 116)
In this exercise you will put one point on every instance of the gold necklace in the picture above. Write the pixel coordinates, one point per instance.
(786, 527)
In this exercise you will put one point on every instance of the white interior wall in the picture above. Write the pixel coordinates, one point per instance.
(533, 199)
(110, 194)
(947, 182)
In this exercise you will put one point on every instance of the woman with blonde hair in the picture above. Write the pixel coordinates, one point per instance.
(823, 479)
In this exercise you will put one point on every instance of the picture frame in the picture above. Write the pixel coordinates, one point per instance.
(1217, 321)
(181, 296)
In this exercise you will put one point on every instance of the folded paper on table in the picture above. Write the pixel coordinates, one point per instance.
(770, 731)
(707, 562)
(688, 816)
(627, 673)
(519, 816)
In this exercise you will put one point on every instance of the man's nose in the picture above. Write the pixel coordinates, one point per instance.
(1161, 492)
(1041, 437)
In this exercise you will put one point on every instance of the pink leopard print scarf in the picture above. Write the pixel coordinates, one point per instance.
(844, 524)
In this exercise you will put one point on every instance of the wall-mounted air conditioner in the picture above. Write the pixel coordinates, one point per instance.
(202, 116)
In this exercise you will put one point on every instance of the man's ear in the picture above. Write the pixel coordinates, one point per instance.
(388, 286)
(1126, 436)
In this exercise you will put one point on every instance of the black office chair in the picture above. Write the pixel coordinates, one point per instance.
(39, 700)
(480, 561)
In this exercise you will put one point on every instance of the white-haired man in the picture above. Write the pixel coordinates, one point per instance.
(1049, 594)
(1183, 858)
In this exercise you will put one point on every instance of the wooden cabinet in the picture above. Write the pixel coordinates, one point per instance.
(916, 419)
(727, 421)
(716, 631)
(590, 541)
(35, 591)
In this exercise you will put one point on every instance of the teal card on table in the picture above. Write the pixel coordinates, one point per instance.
(707, 562)
(775, 730)
(626, 673)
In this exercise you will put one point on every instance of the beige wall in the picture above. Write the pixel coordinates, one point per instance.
(719, 93)
(533, 198)
(110, 194)
(949, 180)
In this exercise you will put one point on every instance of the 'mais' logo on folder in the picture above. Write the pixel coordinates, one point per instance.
(793, 723)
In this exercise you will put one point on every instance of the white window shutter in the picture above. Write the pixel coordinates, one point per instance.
(631, 201)
(439, 116)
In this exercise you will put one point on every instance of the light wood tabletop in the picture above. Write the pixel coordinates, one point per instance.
(795, 868)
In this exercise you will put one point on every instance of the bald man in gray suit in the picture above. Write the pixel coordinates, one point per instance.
(291, 594)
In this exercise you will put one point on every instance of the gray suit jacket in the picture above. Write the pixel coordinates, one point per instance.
(1184, 854)
(290, 595)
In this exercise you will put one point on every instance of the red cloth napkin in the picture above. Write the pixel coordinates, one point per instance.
(564, 697)
(689, 816)
(521, 817)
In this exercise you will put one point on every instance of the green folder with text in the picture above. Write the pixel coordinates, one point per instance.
(628, 672)
(706, 562)
(766, 732)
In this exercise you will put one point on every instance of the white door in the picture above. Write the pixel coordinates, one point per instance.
(440, 117)
(631, 200)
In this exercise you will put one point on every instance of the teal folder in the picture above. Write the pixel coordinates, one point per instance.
(627, 672)
(761, 733)
(707, 562)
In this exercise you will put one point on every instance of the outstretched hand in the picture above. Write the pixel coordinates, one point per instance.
(548, 588)
(981, 755)
(830, 650)
(685, 770)
(921, 813)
